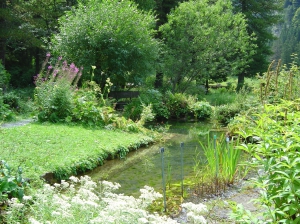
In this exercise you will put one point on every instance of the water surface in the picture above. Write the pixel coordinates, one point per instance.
(144, 166)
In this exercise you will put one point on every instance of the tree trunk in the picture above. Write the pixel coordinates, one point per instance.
(158, 80)
(2, 50)
(241, 80)
(206, 86)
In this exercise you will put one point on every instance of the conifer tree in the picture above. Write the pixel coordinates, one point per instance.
(261, 16)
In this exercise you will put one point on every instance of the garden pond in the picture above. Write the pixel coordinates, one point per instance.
(182, 154)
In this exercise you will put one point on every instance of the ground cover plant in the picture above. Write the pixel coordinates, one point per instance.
(92, 202)
(62, 149)
(276, 154)
(272, 139)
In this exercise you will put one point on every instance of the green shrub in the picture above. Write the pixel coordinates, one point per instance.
(225, 113)
(5, 111)
(133, 110)
(90, 107)
(202, 110)
(150, 97)
(13, 100)
(177, 105)
(4, 77)
(11, 185)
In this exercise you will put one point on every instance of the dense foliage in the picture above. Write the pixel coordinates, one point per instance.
(261, 17)
(271, 133)
(204, 41)
(114, 36)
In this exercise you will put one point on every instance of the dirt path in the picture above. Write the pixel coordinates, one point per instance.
(16, 123)
(219, 206)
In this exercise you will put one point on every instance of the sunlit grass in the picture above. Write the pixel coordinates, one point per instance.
(40, 148)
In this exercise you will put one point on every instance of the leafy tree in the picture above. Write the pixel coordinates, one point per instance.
(261, 16)
(112, 35)
(204, 41)
(146, 4)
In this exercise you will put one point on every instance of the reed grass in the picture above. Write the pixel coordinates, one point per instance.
(222, 159)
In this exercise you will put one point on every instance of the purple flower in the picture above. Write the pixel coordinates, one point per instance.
(48, 55)
(76, 70)
(59, 58)
(49, 67)
(72, 66)
(65, 63)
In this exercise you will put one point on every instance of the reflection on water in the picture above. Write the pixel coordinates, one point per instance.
(143, 167)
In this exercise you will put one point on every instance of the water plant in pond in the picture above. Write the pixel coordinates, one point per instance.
(222, 159)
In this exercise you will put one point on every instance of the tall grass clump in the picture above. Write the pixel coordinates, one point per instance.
(220, 96)
(222, 160)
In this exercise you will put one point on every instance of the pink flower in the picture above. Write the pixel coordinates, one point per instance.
(59, 58)
(72, 66)
(48, 54)
(49, 67)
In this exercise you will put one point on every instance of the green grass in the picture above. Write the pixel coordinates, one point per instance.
(61, 149)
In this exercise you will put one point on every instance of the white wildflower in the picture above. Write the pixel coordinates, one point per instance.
(195, 208)
(77, 200)
(110, 186)
(64, 184)
(56, 185)
(199, 219)
(72, 188)
(91, 204)
(74, 179)
(56, 213)
(87, 194)
(33, 221)
(15, 203)
(148, 194)
(27, 198)
(142, 220)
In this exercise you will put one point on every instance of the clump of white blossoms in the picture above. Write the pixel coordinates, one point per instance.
(195, 212)
(84, 201)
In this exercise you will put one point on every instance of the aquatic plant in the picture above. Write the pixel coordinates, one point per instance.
(222, 159)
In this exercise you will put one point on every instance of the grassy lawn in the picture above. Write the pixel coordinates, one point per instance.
(62, 149)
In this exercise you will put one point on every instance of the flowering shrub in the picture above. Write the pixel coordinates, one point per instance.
(85, 201)
(54, 90)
